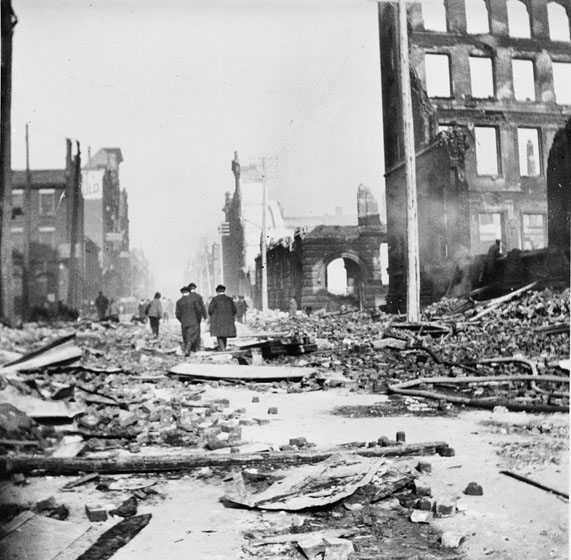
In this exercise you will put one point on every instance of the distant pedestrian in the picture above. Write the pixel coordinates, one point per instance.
(114, 311)
(222, 311)
(241, 309)
(101, 304)
(292, 308)
(190, 311)
(155, 313)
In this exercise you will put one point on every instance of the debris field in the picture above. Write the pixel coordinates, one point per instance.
(109, 417)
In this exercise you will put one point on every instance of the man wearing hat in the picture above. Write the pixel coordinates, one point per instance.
(222, 311)
(190, 311)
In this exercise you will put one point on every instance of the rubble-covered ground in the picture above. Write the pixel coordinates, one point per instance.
(118, 402)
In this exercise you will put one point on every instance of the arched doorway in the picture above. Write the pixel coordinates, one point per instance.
(343, 280)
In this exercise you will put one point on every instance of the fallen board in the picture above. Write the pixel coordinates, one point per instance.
(243, 373)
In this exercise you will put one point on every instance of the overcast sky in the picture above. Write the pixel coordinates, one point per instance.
(179, 85)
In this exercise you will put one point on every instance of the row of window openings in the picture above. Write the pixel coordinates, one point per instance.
(438, 84)
(478, 19)
(491, 227)
(488, 162)
(46, 236)
(47, 198)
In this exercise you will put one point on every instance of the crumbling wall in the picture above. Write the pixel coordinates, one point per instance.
(559, 189)
(297, 268)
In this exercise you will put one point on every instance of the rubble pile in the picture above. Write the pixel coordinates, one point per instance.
(373, 352)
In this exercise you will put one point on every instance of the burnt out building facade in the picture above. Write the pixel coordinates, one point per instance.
(490, 88)
(327, 266)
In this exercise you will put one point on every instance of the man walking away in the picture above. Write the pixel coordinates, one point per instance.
(190, 311)
(155, 313)
(101, 304)
(222, 311)
(241, 309)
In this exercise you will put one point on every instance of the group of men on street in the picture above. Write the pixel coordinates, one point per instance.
(190, 311)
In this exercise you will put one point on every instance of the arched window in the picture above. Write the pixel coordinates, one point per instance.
(558, 22)
(434, 15)
(477, 19)
(518, 19)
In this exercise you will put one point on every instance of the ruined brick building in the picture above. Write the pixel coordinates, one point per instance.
(50, 219)
(490, 88)
(299, 265)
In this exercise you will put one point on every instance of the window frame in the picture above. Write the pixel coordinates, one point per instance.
(47, 229)
(545, 229)
(529, 22)
(568, 36)
(44, 192)
(567, 64)
(533, 69)
(488, 18)
(449, 66)
(446, 25)
(498, 152)
(492, 76)
(484, 246)
(539, 159)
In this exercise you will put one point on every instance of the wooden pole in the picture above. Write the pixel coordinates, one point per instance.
(413, 274)
(264, 246)
(73, 237)
(26, 272)
(8, 22)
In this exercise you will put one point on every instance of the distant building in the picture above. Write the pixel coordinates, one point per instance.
(243, 223)
(490, 88)
(107, 220)
(50, 237)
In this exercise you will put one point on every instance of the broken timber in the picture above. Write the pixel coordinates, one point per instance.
(62, 351)
(405, 389)
(242, 373)
(141, 464)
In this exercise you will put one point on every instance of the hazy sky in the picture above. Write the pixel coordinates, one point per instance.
(179, 85)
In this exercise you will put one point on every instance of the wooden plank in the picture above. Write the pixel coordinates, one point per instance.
(237, 372)
(295, 537)
(37, 464)
(115, 538)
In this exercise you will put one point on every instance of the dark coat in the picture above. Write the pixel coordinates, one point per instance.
(190, 310)
(222, 310)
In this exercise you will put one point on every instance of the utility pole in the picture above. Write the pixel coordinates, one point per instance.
(264, 238)
(27, 272)
(75, 190)
(413, 274)
(8, 22)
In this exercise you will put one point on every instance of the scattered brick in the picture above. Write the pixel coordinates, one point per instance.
(474, 489)
(273, 410)
(96, 514)
(424, 467)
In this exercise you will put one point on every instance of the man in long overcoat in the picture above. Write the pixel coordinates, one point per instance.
(222, 311)
(190, 311)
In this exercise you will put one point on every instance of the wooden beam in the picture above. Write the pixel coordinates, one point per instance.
(138, 464)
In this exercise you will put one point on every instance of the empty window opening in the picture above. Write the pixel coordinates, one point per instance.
(529, 155)
(47, 236)
(487, 150)
(47, 202)
(558, 22)
(534, 233)
(518, 19)
(337, 278)
(562, 82)
(523, 80)
(477, 19)
(434, 15)
(17, 199)
(18, 239)
(490, 228)
(437, 68)
(481, 77)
